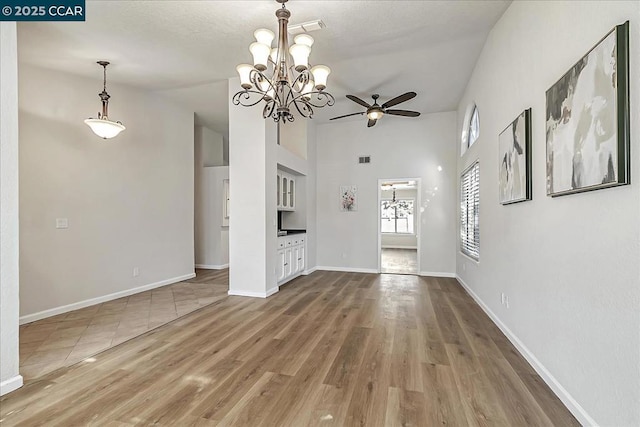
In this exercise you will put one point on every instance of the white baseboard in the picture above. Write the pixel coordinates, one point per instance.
(309, 271)
(266, 294)
(574, 407)
(212, 267)
(86, 303)
(11, 384)
(347, 269)
(437, 274)
(398, 247)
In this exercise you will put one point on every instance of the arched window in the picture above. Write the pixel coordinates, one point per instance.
(473, 132)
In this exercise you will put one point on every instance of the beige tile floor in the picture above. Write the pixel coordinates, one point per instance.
(65, 339)
(399, 261)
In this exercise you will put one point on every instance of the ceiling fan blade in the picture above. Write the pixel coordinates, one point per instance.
(358, 101)
(371, 123)
(405, 113)
(398, 99)
(347, 115)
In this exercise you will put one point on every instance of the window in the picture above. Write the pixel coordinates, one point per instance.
(397, 217)
(470, 211)
(474, 127)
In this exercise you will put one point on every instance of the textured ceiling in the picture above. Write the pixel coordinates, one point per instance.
(188, 49)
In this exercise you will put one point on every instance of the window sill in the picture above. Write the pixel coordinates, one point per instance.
(477, 261)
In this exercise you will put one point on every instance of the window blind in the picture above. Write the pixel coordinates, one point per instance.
(470, 211)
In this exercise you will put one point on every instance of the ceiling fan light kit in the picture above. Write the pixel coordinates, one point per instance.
(281, 76)
(375, 112)
(102, 126)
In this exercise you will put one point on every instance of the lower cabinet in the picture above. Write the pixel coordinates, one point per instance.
(291, 257)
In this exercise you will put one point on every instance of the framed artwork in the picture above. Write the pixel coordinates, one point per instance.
(348, 198)
(514, 147)
(588, 120)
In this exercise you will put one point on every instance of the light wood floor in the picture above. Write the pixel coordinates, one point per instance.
(399, 261)
(329, 349)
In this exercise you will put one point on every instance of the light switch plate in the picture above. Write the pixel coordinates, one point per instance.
(62, 223)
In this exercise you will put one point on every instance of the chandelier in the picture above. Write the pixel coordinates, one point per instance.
(281, 76)
(102, 126)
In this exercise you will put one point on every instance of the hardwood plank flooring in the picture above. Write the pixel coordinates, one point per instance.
(331, 348)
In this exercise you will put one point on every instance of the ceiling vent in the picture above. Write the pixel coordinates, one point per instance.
(306, 27)
(364, 159)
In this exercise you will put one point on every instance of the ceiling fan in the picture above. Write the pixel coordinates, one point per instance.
(375, 112)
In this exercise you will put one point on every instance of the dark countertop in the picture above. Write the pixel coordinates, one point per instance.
(290, 232)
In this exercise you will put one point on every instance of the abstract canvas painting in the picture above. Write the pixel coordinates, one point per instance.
(514, 147)
(587, 116)
(348, 198)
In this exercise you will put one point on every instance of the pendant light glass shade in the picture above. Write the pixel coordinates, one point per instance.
(260, 54)
(300, 54)
(244, 71)
(105, 128)
(264, 36)
(320, 75)
(304, 39)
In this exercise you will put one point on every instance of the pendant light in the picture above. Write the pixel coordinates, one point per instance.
(102, 126)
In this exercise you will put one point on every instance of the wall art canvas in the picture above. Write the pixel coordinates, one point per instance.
(348, 198)
(514, 147)
(588, 120)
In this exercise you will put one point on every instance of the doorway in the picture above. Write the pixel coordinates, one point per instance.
(399, 226)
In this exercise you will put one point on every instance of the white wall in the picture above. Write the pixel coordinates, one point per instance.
(212, 146)
(212, 239)
(9, 285)
(293, 136)
(128, 200)
(399, 148)
(253, 214)
(569, 265)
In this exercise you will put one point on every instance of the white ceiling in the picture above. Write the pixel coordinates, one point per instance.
(188, 49)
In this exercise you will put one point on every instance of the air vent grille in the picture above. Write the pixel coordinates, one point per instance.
(364, 159)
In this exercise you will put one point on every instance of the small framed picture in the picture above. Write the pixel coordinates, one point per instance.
(514, 177)
(348, 198)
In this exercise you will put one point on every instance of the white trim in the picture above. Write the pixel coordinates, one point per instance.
(347, 269)
(309, 271)
(437, 274)
(571, 404)
(251, 294)
(212, 267)
(13, 383)
(399, 247)
(86, 303)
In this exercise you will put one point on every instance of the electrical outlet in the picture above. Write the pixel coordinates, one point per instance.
(62, 223)
(136, 271)
(506, 302)
(503, 298)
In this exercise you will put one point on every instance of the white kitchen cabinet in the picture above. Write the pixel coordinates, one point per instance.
(279, 191)
(225, 203)
(291, 257)
(286, 191)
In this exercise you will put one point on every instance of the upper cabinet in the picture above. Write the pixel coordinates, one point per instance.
(286, 188)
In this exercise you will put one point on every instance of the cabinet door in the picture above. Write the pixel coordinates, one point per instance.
(292, 193)
(288, 262)
(279, 191)
(225, 203)
(281, 265)
(301, 258)
(285, 191)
